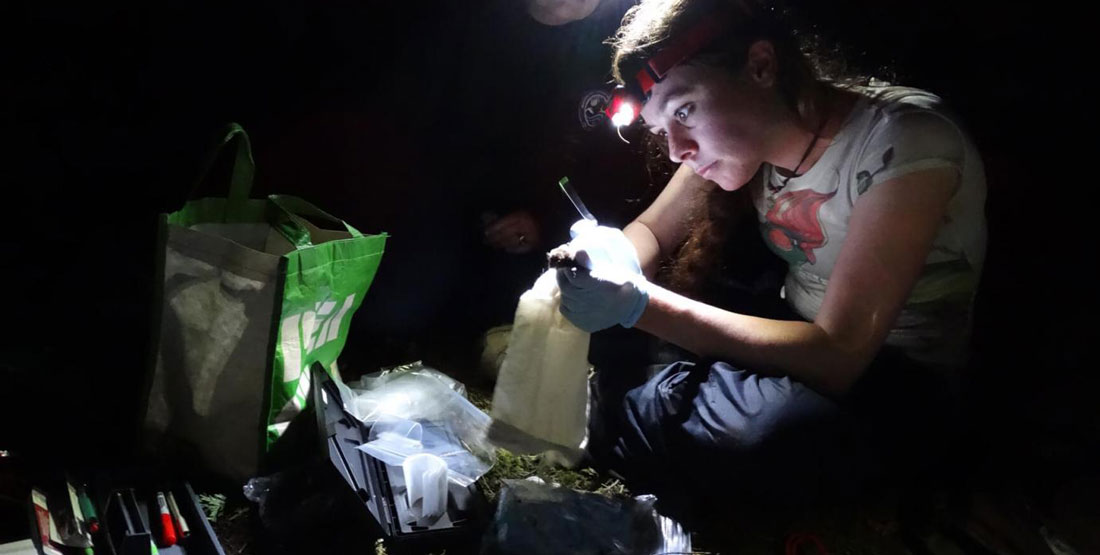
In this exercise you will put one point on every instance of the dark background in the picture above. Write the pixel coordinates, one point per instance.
(108, 110)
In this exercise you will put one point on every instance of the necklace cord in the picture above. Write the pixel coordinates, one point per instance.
(805, 155)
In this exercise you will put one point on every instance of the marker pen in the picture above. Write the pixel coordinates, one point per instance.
(88, 508)
(182, 529)
(167, 531)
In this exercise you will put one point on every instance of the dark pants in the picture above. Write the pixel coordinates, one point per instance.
(707, 434)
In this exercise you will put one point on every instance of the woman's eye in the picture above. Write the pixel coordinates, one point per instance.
(683, 112)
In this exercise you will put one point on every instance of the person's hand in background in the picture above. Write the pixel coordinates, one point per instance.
(515, 233)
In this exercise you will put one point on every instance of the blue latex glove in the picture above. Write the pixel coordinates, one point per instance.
(604, 247)
(593, 301)
(613, 290)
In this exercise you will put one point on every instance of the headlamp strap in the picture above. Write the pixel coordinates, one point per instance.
(681, 48)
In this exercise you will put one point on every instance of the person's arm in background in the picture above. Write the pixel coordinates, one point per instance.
(658, 232)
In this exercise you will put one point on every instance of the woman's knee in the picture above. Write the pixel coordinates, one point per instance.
(713, 410)
(739, 411)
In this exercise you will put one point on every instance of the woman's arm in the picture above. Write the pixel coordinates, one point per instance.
(890, 233)
(658, 231)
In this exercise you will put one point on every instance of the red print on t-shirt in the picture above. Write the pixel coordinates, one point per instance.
(792, 225)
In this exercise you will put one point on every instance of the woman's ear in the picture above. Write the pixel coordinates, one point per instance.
(761, 64)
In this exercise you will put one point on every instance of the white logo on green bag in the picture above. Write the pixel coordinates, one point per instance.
(301, 335)
(317, 328)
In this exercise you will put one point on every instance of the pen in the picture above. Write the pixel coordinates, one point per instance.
(167, 531)
(177, 517)
(574, 198)
(88, 509)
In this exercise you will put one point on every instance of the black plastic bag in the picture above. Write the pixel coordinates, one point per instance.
(533, 519)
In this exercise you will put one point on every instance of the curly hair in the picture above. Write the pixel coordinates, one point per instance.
(806, 77)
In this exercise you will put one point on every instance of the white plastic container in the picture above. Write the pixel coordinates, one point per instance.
(426, 487)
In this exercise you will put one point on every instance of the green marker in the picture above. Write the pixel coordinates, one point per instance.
(88, 509)
(153, 546)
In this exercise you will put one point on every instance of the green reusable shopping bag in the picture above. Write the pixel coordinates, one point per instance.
(252, 292)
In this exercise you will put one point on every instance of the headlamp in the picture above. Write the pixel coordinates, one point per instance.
(627, 99)
(622, 108)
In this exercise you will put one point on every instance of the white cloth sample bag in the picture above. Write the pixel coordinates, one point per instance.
(540, 404)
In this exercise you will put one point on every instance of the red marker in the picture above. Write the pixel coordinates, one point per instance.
(167, 531)
(45, 524)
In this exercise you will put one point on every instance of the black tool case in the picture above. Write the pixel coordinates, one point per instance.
(129, 518)
(365, 497)
(121, 540)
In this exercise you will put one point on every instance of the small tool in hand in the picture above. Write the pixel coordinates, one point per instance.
(574, 198)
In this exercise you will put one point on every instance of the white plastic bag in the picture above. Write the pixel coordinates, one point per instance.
(540, 403)
(394, 440)
(408, 391)
(415, 409)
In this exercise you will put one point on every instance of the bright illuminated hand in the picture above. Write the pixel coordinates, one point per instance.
(605, 247)
(607, 286)
(594, 302)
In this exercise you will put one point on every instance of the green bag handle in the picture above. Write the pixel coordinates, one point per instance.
(244, 167)
(290, 223)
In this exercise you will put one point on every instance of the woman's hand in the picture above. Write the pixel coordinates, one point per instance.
(600, 247)
(515, 233)
(607, 286)
(593, 300)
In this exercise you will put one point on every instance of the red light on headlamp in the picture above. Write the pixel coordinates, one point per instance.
(626, 101)
(623, 108)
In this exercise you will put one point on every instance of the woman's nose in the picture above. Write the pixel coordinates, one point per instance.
(680, 146)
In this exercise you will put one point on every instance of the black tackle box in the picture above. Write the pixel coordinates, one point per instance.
(129, 516)
(348, 497)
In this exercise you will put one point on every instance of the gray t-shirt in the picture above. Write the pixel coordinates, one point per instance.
(891, 131)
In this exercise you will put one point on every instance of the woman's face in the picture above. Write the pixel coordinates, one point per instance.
(718, 123)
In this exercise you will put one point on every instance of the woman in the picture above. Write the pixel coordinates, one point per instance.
(874, 197)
